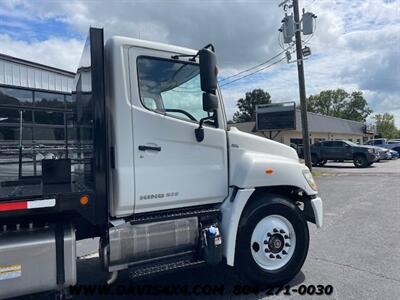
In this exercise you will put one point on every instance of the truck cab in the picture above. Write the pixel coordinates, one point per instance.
(162, 180)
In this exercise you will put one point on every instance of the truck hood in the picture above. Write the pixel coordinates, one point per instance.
(253, 143)
(251, 156)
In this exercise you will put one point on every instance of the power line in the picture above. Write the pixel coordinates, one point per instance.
(252, 73)
(254, 67)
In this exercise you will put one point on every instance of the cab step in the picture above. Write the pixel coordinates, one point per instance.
(201, 212)
(164, 267)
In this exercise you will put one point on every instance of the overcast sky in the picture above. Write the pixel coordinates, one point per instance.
(356, 45)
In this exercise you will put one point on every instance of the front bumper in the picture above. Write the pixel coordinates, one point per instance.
(317, 207)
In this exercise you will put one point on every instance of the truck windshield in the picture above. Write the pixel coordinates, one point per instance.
(171, 87)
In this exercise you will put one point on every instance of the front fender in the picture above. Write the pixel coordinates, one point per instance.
(254, 169)
(232, 209)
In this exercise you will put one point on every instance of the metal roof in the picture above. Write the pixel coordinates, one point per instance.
(318, 123)
(322, 123)
(22, 73)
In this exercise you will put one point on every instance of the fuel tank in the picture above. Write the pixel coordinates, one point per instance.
(28, 262)
(139, 242)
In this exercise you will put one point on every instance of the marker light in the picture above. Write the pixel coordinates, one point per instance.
(84, 200)
(269, 171)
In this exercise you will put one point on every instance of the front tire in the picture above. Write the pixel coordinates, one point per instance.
(360, 161)
(272, 242)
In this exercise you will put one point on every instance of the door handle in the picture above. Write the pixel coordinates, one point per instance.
(153, 148)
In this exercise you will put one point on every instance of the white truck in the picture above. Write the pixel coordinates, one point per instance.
(159, 177)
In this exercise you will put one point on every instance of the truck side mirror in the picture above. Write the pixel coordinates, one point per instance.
(210, 102)
(208, 70)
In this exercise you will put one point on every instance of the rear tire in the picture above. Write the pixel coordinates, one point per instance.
(271, 225)
(322, 163)
(360, 161)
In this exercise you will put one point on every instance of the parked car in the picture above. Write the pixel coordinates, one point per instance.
(395, 154)
(392, 144)
(362, 156)
(394, 141)
(383, 153)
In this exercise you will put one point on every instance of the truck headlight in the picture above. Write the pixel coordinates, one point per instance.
(310, 179)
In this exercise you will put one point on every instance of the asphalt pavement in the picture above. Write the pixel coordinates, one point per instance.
(357, 251)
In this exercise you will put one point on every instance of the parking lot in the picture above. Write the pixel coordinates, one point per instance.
(390, 167)
(356, 251)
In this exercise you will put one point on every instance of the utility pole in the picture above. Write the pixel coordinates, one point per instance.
(293, 26)
(302, 86)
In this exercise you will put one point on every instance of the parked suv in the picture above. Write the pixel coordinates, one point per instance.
(362, 156)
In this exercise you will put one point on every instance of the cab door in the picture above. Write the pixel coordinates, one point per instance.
(172, 169)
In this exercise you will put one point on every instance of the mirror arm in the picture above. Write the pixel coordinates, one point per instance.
(211, 46)
(199, 132)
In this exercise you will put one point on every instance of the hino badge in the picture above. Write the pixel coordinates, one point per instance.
(154, 171)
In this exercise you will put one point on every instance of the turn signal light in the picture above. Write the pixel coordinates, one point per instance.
(84, 200)
(269, 171)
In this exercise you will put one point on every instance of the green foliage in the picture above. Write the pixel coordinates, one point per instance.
(341, 104)
(247, 106)
(385, 126)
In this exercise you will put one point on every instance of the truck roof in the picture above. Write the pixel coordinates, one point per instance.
(117, 41)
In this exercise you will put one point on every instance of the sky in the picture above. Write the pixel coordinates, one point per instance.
(356, 44)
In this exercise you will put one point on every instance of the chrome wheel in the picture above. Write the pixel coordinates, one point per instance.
(273, 242)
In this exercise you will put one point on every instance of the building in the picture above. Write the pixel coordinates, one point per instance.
(320, 128)
(35, 113)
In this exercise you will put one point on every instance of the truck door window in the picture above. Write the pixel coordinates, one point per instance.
(175, 84)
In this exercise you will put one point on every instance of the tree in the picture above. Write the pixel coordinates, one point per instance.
(385, 126)
(341, 104)
(247, 106)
